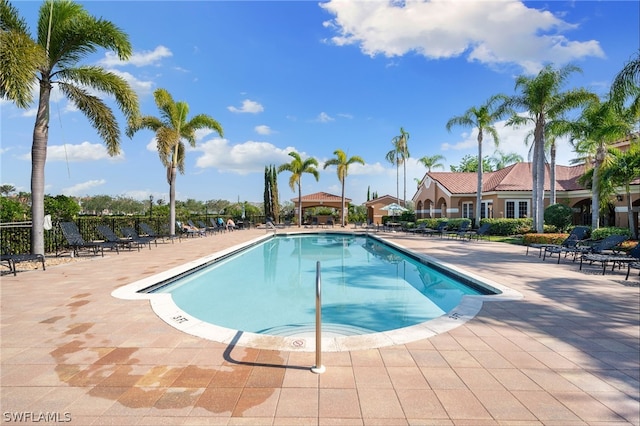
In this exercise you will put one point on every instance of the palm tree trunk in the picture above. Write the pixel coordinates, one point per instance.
(397, 180)
(299, 203)
(404, 172)
(343, 222)
(552, 173)
(630, 215)
(38, 160)
(539, 224)
(480, 171)
(595, 197)
(172, 200)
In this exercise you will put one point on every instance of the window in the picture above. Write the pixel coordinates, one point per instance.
(486, 209)
(467, 210)
(517, 209)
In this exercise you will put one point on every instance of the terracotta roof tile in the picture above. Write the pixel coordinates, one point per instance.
(516, 177)
(321, 196)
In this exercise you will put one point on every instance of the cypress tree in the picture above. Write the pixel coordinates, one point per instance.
(275, 202)
(267, 194)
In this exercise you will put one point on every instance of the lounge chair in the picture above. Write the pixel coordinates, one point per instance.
(132, 234)
(613, 258)
(186, 230)
(483, 231)
(418, 229)
(111, 236)
(635, 265)
(439, 230)
(11, 258)
(148, 231)
(597, 247)
(76, 243)
(207, 229)
(576, 235)
(201, 231)
(461, 231)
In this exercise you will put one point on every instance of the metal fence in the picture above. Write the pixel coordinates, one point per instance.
(16, 236)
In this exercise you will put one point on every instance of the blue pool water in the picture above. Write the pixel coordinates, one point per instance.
(269, 288)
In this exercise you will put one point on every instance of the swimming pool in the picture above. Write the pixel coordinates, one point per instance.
(373, 292)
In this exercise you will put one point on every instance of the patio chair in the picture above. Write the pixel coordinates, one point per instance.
(207, 228)
(578, 233)
(76, 243)
(439, 230)
(147, 230)
(596, 247)
(483, 231)
(200, 231)
(635, 265)
(613, 258)
(111, 236)
(131, 233)
(11, 258)
(461, 231)
(422, 226)
(185, 229)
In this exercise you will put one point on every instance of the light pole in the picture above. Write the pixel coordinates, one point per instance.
(150, 205)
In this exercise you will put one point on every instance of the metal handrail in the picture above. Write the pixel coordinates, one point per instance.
(318, 368)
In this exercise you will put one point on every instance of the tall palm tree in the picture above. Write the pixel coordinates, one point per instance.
(342, 164)
(432, 162)
(482, 119)
(622, 170)
(20, 57)
(171, 128)
(397, 156)
(66, 34)
(542, 99)
(600, 125)
(626, 85)
(297, 167)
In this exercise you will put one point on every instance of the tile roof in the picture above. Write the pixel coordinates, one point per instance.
(321, 196)
(516, 177)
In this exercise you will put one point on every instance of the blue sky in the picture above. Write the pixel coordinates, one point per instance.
(315, 77)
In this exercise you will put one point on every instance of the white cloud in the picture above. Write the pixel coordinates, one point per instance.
(444, 29)
(248, 106)
(138, 59)
(77, 153)
(140, 86)
(263, 130)
(82, 188)
(244, 158)
(323, 117)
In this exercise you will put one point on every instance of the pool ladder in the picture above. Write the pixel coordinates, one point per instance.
(318, 368)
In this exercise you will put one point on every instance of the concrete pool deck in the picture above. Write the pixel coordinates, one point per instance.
(567, 353)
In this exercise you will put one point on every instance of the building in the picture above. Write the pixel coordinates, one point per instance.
(507, 193)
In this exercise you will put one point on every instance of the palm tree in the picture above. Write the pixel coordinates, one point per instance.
(627, 84)
(599, 125)
(170, 129)
(621, 171)
(66, 34)
(543, 101)
(398, 155)
(297, 167)
(502, 159)
(482, 118)
(432, 162)
(342, 164)
(20, 57)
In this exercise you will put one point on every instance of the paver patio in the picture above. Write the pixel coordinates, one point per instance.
(567, 353)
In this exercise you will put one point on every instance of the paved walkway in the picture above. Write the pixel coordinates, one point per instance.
(567, 353)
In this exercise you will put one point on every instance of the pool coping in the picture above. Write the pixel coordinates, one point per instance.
(163, 306)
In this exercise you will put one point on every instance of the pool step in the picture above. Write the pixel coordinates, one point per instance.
(306, 330)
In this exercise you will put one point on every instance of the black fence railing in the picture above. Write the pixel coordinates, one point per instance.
(17, 235)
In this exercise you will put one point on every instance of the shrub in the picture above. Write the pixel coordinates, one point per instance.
(600, 233)
(506, 227)
(558, 215)
(544, 238)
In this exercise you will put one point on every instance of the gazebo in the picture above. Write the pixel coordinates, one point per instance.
(322, 199)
